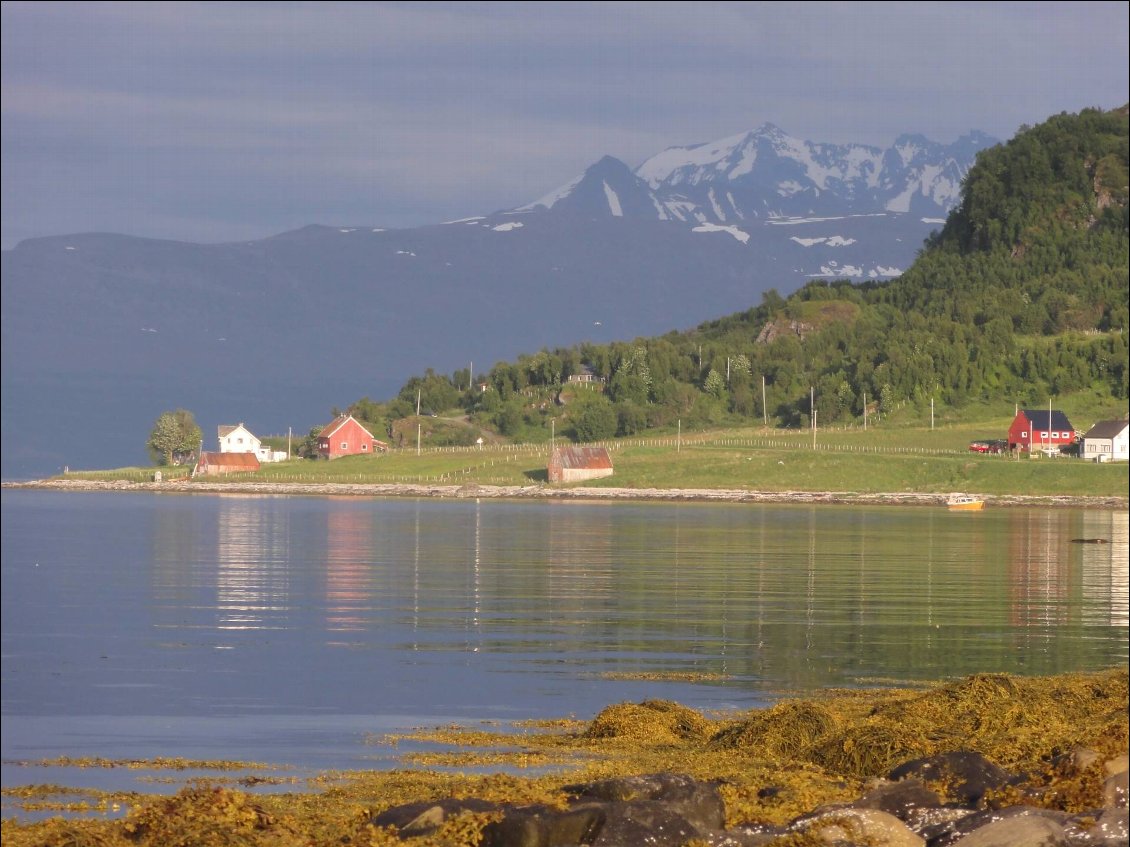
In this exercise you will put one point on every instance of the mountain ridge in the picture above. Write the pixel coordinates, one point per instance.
(278, 330)
(733, 179)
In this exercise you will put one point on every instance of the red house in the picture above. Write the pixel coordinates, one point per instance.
(343, 436)
(1034, 429)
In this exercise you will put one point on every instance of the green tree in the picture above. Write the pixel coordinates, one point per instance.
(175, 435)
(308, 446)
(596, 421)
(714, 383)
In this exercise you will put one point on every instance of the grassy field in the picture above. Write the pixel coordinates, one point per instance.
(906, 459)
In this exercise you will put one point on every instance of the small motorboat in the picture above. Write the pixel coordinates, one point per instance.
(964, 503)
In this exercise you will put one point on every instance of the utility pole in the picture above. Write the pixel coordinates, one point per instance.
(417, 402)
(418, 428)
(812, 408)
(931, 414)
(764, 408)
(865, 411)
(679, 438)
(813, 429)
(470, 376)
(288, 435)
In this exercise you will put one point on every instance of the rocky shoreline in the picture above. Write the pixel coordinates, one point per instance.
(959, 799)
(991, 760)
(550, 492)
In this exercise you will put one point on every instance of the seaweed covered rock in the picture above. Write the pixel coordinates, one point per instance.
(426, 817)
(656, 721)
(698, 802)
(791, 729)
(962, 776)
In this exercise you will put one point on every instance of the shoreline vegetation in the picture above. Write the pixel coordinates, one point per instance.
(995, 758)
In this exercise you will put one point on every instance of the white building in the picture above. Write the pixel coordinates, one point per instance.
(239, 439)
(1107, 441)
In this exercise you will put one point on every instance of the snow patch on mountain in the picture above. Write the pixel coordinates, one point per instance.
(741, 236)
(507, 227)
(787, 221)
(551, 199)
(685, 164)
(613, 201)
(734, 206)
(714, 205)
(833, 241)
(833, 270)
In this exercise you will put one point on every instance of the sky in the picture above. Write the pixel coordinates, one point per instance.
(214, 122)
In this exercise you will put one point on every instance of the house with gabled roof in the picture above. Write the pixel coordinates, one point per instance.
(344, 436)
(1040, 429)
(1107, 441)
(239, 439)
(573, 464)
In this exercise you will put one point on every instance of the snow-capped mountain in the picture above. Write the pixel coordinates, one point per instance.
(767, 174)
(275, 332)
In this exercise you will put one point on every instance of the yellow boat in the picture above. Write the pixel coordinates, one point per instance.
(964, 503)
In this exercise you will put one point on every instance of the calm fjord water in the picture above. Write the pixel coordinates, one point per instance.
(287, 629)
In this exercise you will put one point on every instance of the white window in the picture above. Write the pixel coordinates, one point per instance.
(1055, 435)
(1043, 435)
(1024, 434)
(345, 445)
(364, 447)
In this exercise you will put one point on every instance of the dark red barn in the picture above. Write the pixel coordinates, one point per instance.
(1037, 429)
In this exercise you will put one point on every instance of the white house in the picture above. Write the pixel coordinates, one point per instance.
(1107, 441)
(239, 439)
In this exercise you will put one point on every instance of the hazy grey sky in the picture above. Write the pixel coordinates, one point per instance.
(231, 121)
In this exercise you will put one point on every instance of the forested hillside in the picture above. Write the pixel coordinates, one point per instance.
(1021, 296)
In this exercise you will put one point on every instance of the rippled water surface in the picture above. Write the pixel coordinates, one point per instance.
(286, 629)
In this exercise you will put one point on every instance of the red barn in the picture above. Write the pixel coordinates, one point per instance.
(344, 436)
(1036, 429)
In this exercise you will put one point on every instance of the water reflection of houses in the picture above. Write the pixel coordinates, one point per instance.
(1057, 555)
(348, 555)
(252, 564)
(1106, 571)
(1038, 573)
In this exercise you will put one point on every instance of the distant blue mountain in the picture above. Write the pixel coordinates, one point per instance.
(101, 332)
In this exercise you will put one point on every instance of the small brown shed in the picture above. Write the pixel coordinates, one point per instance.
(211, 464)
(572, 464)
